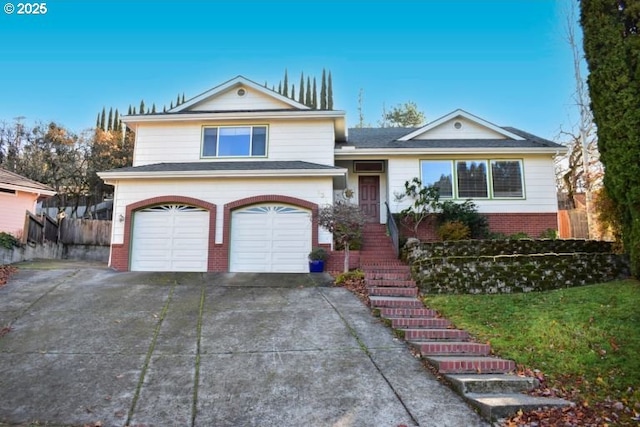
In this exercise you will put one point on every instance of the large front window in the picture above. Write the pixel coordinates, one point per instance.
(234, 141)
(474, 179)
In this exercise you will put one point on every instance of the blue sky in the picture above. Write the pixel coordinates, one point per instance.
(506, 61)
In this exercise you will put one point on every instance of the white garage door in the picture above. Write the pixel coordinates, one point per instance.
(170, 238)
(270, 238)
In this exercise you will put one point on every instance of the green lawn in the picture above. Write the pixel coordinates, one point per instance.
(585, 338)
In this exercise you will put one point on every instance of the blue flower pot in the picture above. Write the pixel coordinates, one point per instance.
(316, 266)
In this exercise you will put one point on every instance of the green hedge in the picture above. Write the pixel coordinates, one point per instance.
(522, 272)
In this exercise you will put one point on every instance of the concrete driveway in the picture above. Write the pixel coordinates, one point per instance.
(168, 349)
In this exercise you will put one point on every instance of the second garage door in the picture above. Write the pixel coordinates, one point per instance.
(270, 238)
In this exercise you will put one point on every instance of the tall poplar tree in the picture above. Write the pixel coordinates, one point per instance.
(103, 119)
(330, 93)
(612, 50)
(323, 91)
(110, 119)
(285, 85)
(314, 94)
(307, 98)
(301, 89)
(142, 110)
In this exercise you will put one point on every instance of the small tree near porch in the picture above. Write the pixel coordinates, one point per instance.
(346, 221)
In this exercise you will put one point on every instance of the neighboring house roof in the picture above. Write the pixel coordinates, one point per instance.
(218, 169)
(13, 181)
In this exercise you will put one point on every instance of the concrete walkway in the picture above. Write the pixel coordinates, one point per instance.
(168, 349)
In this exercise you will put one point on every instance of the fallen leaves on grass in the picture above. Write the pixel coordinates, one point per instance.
(5, 272)
(606, 413)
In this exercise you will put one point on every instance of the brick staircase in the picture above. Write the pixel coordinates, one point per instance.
(486, 382)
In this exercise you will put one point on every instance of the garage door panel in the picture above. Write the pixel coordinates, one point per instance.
(170, 238)
(270, 238)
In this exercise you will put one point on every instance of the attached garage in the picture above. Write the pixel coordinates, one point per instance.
(171, 237)
(270, 238)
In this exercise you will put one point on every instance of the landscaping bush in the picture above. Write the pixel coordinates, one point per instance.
(466, 213)
(7, 241)
(453, 230)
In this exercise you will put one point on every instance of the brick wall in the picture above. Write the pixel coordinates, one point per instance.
(507, 223)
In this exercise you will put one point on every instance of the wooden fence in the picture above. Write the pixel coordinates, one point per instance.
(70, 231)
(40, 229)
(572, 224)
(95, 232)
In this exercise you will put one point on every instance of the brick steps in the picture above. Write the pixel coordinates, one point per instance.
(407, 312)
(434, 334)
(451, 348)
(486, 382)
(393, 291)
(419, 322)
(471, 364)
(395, 302)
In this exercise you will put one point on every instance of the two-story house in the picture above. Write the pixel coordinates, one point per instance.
(232, 179)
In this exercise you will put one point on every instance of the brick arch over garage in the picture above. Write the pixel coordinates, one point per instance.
(120, 258)
(267, 198)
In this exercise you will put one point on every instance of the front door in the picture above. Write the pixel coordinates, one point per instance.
(369, 197)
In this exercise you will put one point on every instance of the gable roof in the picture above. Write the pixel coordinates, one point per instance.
(230, 84)
(13, 181)
(456, 114)
(399, 140)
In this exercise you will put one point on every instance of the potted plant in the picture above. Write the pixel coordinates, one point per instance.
(317, 257)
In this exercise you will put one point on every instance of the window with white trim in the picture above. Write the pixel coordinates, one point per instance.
(474, 179)
(234, 141)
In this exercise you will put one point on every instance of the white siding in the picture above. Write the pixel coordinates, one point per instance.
(219, 192)
(307, 140)
(13, 208)
(469, 130)
(230, 101)
(539, 181)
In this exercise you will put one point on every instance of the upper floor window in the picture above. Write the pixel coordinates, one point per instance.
(234, 141)
(474, 179)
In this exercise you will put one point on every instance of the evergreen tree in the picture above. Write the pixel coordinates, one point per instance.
(307, 98)
(301, 89)
(286, 84)
(129, 111)
(153, 108)
(612, 48)
(182, 100)
(178, 100)
(330, 93)
(314, 94)
(171, 106)
(98, 121)
(164, 108)
(280, 88)
(110, 120)
(116, 121)
(293, 92)
(323, 91)
(142, 110)
(133, 111)
(103, 119)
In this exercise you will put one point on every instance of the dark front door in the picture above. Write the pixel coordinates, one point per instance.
(369, 197)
